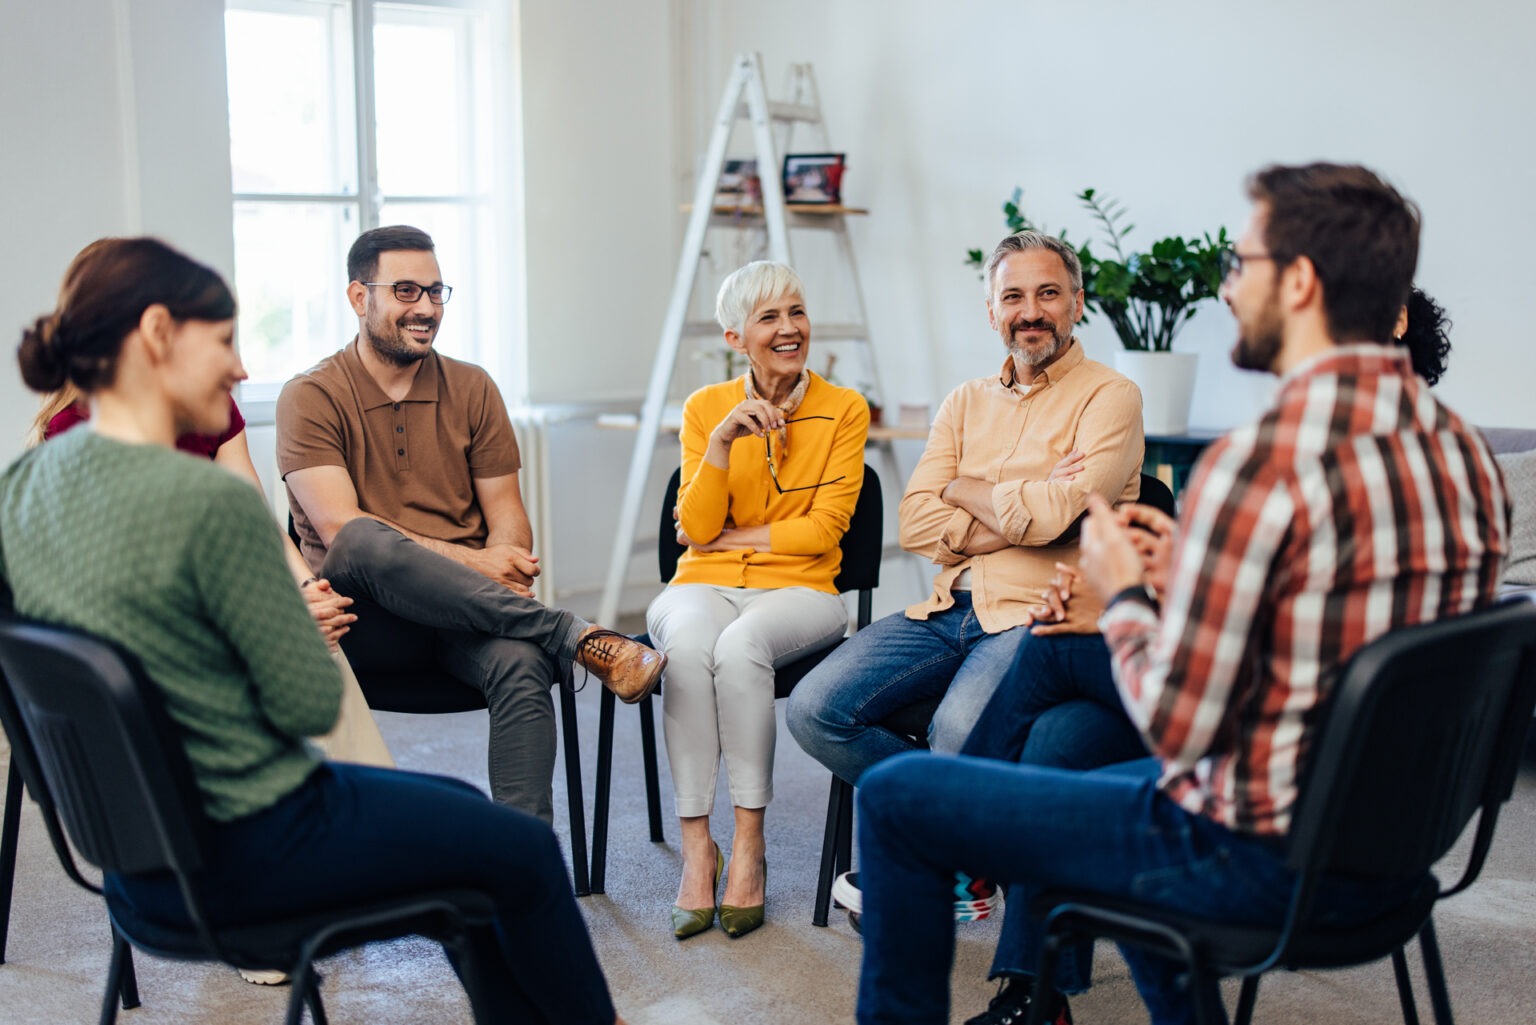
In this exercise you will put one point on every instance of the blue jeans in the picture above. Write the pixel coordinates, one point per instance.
(351, 834)
(835, 712)
(1057, 707)
(922, 817)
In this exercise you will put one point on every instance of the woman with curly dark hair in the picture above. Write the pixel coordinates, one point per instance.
(1422, 329)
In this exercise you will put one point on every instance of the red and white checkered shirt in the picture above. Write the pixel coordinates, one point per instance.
(1357, 504)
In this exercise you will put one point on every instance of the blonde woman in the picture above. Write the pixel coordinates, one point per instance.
(772, 463)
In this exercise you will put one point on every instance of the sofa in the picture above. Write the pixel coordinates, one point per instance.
(1515, 449)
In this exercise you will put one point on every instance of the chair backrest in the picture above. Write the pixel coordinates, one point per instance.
(103, 749)
(1158, 495)
(1424, 728)
(861, 544)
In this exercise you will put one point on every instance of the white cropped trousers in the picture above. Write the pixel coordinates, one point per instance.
(722, 645)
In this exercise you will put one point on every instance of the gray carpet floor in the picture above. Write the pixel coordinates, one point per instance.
(787, 972)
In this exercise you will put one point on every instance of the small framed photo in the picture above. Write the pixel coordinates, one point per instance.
(739, 186)
(813, 178)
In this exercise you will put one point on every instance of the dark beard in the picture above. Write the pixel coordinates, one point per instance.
(392, 348)
(1256, 353)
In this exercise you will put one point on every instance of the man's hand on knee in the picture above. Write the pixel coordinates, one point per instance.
(512, 566)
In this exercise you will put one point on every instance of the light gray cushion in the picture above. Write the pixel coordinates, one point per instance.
(1520, 479)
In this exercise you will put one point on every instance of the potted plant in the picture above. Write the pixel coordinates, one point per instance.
(1147, 297)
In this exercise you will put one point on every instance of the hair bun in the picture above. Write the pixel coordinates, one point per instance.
(42, 364)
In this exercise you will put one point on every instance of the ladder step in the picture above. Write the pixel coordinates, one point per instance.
(780, 111)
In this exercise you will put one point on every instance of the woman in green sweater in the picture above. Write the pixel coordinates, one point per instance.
(109, 530)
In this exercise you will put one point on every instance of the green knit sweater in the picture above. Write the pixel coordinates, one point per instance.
(178, 561)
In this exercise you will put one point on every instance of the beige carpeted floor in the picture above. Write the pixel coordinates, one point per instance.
(787, 973)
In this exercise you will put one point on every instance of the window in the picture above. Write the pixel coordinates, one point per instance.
(345, 115)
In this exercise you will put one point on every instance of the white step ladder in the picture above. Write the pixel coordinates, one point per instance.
(746, 98)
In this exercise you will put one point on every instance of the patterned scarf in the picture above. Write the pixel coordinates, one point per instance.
(787, 407)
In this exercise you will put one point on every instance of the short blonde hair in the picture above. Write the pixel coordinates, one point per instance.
(749, 287)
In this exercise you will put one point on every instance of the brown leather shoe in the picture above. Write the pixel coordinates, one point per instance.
(623, 664)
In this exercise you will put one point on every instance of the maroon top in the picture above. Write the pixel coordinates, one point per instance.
(196, 444)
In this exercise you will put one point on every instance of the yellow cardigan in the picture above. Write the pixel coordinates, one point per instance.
(804, 526)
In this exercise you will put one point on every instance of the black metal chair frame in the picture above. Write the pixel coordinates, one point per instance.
(106, 765)
(10, 830)
(429, 690)
(1424, 729)
(860, 571)
(912, 722)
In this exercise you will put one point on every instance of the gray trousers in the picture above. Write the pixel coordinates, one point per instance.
(416, 607)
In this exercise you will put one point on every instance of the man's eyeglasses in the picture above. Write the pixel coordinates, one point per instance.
(773, 471)
(1232, 261)
(410, 291)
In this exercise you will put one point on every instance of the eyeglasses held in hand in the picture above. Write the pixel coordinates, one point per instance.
(773, 471)
(410, 291)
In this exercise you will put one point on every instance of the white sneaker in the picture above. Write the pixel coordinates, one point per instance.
(261, 977)
(845, 890)
(975, 899)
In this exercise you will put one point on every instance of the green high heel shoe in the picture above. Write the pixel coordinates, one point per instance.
(737, 922)
(688, 922)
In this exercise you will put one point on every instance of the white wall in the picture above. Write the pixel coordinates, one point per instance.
(944, 108)
(600, 203)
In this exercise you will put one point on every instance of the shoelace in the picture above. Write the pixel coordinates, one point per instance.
(595, 647)
(597, 641)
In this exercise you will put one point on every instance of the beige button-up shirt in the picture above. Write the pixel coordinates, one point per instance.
(1012, 437)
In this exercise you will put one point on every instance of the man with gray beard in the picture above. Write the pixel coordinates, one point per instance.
(401, 468)
(1009, 466)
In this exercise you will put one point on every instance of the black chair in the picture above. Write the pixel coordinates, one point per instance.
(1158, 495)
(422, 688)
(24, 767)
(1424, 729)
(912, 722)
(860, 572)
(104, 759)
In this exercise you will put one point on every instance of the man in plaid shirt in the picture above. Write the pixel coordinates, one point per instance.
(1355, 505)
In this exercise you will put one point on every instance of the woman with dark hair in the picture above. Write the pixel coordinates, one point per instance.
(1422, 329)
(180, 563)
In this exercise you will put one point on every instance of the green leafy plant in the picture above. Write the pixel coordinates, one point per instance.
(1148, 296)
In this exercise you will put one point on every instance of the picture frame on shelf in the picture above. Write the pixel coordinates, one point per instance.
(739, 186)
(814, 178)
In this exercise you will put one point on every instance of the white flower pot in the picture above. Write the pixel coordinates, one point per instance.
(1167, 383)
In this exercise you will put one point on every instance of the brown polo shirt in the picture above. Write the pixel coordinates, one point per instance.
(413, 462)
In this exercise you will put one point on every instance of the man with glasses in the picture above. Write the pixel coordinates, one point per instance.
(1009, 465)
(1356, 504)
(401, 468)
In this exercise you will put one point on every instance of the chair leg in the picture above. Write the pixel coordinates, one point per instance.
(837, 800)
(1207, 997)
(1246, 999)
(306, 990)
(1045, 979)
(114, 979)
(652, 773)
(1434, 974)
(572, 743)
(605, 711)
(844, 860)
(128, 990)
(9, 831)
(1404, 987)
